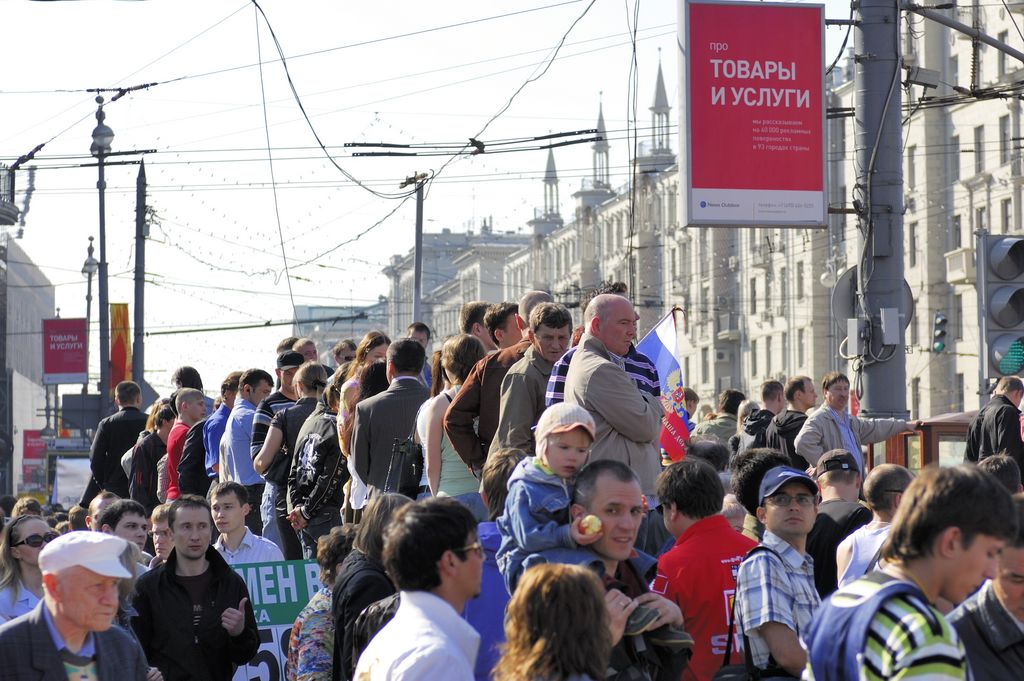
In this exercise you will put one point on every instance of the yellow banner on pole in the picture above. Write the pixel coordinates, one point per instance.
(120, 345)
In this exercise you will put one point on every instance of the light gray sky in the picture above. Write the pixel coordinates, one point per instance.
(365, 72)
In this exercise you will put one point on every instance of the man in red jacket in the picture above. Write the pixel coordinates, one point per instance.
(191, 410)
(699, 573)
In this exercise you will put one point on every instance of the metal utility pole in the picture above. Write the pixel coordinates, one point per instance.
(880, 189)
(102, 136)
(138, 348)
(417, 285)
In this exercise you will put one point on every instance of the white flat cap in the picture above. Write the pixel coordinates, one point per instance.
(94, 551)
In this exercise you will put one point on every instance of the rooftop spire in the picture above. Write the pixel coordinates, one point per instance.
(601, 144)
(550, 176)
(660, 97)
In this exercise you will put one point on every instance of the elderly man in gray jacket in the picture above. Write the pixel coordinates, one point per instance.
(830, 427)
(627, 420)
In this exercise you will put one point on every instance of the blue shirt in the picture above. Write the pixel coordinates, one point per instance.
(213, 431)
(850, 442)
(638, 365)
(88, 648)
(236, 464)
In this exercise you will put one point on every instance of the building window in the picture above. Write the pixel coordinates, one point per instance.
(1003, 37)
(705, 370)
(912, 244)
(753, 296)
(800, 345)
(1004, 139)
(954, 158)
(915, 398)
(1006, 215)
(783, 294)
(958, 317)
(785, 352)
(753, 358)
(979, 218)
(954, 71)
(979, 149)
(958, 393)
(687, 378)
(768, 356)
(957, 232)
(913, 330)
(911, 167)
(799, 281)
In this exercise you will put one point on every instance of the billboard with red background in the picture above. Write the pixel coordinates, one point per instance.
(64, 351)
(754, 129)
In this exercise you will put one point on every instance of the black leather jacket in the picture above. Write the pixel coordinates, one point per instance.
(318, 470)
(163, 624)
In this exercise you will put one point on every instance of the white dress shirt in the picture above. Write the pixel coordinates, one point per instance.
(251, 549)
(426, 640)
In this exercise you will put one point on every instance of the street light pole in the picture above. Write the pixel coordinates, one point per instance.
(102, 136)
(89, 268)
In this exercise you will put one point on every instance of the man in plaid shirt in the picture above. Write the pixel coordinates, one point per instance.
(775, 593)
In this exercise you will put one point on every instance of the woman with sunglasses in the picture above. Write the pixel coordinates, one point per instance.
(21, 581)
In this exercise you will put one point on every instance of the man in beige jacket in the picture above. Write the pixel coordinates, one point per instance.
(628, 421)
(830, 427)
(522, 389)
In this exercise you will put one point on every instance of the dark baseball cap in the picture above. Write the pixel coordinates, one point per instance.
(835, 460)
(289, 359)
(777, 477)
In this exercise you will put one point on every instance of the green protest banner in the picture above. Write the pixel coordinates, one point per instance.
(279, 590)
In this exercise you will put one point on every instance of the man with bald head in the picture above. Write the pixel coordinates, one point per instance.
(69, 634)
(479, 399)
(628, 420)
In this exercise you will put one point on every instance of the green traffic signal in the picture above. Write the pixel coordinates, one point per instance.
(939, 332)
(1012, 362)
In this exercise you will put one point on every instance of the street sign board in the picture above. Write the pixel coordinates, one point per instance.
(64, 351)
(753, 129)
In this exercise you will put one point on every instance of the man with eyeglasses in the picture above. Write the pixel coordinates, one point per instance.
(432, 552)
(775, 591)
(160, 531)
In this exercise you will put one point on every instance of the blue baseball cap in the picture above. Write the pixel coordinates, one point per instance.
(777, 477)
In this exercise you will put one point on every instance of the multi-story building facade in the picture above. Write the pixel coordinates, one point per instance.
(457, 268)
(30, 299)
(353, 322)
(756, 302)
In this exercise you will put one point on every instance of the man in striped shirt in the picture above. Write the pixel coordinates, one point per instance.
(945, 541)
(639, 367)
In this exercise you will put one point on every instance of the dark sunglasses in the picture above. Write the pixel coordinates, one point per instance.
(37, 540)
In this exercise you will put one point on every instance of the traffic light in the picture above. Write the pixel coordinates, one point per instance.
(1004, 293)
(939, 332)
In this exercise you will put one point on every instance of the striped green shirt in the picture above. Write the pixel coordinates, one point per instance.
(907, 639)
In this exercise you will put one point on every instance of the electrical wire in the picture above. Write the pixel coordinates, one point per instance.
(312, 129)
(270, 164)
(842, 48)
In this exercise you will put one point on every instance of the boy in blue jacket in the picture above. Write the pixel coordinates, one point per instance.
(536, 518)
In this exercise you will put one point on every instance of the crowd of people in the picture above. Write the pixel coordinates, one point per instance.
(501, 509)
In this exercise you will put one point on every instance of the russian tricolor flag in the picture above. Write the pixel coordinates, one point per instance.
(660, 346)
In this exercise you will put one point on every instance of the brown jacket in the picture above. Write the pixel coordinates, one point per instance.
(522, 402)
(627, 420)
(479, 399)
